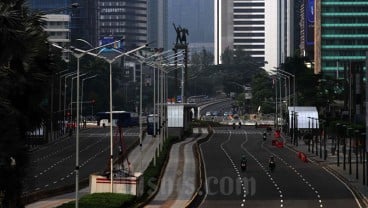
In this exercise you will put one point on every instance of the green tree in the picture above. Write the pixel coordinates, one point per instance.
(26, 65)
(227, 56)
(306, 81)
(262, 92)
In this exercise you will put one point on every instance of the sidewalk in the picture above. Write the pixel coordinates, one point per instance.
(179, 181)
(330, 164)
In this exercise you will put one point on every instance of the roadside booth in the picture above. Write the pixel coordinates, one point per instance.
(180, 116)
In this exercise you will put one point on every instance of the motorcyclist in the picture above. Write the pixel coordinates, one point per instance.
(243, 158)
(234, 125)
(239, 124)
(271, 163)
(243, 162)
(264, 135)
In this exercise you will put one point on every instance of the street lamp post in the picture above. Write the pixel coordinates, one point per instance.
(111, 61)
(71, 97)
(82, 98)
(344, 146)
(65, 106)
(61, 76)
(350, 170)
(356, 133)
(309, 132)
(65, 76)
(296, 129)
(292, 121)
(318, 134)
(142, 60)
(78, 56)
(364, 156)
(338, 125)
(320, 137)
(324, 139)
(294, 86)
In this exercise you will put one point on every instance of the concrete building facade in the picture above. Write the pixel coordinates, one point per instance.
(57, 27)
(263, 28)
(239, 23)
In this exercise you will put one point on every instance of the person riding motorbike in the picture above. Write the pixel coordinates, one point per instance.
(271, 163)
(264, 136)
(243, 163)
(234, 125)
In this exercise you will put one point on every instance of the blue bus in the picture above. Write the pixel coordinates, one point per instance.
(151, 120)
(120, 118)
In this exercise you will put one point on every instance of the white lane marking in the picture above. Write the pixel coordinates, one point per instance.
(264, 169)
(296, 171)
(204, 167)
(235, 168)
(351, 191)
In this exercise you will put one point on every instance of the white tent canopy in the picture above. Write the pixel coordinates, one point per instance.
(307, 116)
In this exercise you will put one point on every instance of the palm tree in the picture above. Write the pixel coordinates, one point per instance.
(25, 69)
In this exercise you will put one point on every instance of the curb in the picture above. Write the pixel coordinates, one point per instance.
(154, 193)
(162, 172)
(360, 196)
(199, 194)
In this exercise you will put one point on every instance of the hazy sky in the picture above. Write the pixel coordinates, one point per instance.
(195, 15)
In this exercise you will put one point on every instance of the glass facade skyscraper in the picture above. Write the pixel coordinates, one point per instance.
(341, 34)
(47, 5)
(123, 19)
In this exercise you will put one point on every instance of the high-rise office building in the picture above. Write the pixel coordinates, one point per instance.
(341, 29)
(79, 23)
(57, 27)
(263, 28)
(157, 13)
(240, 23)
(125, 19)
(48, 5)
(280, 29)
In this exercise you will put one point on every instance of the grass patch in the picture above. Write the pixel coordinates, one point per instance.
(105, 200)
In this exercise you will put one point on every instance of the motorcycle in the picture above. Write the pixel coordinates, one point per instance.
(243, 165)
(264, 137)
(272, 166)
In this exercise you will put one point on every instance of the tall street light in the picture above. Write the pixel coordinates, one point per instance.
(82, 98)
(110, 61)
(294, 86)
(78, 56)
(67, 76)
(280, 76)
(60, 77)
(71, 97)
